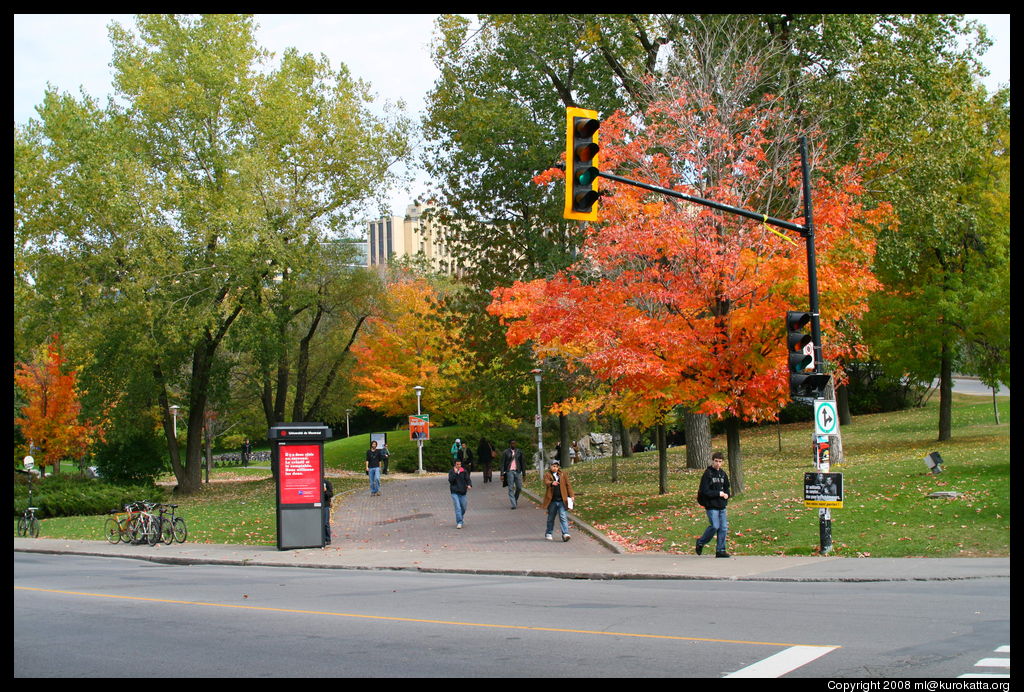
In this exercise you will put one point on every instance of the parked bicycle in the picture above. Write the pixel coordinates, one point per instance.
(172, 527)
(28, 522)
(136, 524)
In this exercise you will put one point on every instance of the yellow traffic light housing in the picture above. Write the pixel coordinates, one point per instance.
(581, 164)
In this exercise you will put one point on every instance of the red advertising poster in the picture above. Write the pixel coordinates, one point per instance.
(300, 474)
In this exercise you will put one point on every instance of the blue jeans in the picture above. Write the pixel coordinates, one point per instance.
(563, 518)
(719, 523)
(459, 500)
(375, 480)
(515, 486)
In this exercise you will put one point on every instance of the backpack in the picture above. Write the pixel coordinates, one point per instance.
(700, 499)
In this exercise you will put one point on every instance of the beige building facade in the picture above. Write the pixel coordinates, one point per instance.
(392, 238)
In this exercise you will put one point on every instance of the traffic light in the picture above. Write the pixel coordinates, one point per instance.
(803, 380)
(581, 164)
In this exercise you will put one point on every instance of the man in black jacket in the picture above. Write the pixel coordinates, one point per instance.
(714, 496)
(512, 472)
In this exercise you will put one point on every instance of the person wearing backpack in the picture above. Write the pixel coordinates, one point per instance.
(713, 496)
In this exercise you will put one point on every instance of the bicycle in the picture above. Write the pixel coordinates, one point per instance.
(136, 524)
(172, 528)
(28, 523)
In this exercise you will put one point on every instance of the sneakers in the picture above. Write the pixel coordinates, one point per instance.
(699, 548)
(565, 537)
(458, 526)
(722, 555)
(548, 537)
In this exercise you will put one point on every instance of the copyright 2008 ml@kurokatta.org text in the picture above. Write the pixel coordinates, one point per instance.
(918, 685)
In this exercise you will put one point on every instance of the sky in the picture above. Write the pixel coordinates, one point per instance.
(390, 51)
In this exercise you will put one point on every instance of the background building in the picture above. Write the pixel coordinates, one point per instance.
(394, 237)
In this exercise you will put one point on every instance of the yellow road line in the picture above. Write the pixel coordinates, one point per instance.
(418, 620)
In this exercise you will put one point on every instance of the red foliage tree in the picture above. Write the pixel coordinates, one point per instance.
(676, 303)
(50, 417)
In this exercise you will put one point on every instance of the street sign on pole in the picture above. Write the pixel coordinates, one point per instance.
(826, 418)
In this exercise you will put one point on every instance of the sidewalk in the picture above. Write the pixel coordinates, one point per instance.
(411, 526)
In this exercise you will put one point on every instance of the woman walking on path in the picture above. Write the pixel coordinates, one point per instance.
(459, 483)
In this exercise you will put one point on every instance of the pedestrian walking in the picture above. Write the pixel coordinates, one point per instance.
(458, 451)
(373, 462)
(513, 472)
(385, 457)
(246, 452)
(485, 455)
(468, 463)
(713, 495)
(328, 495)
(459, 483)
(558, 497)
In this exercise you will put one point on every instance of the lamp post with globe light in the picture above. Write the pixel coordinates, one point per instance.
(419, 443)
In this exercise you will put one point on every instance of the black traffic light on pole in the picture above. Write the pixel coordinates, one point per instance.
(805, 377)
(581, 164)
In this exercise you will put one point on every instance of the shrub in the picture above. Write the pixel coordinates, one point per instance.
(135, 458)
(68, 496)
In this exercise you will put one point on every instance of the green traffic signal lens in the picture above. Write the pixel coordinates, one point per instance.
(587, 176)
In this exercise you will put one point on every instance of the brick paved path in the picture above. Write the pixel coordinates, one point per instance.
(416, 513)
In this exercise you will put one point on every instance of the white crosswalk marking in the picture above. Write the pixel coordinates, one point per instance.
(992, 662)
(783, 662)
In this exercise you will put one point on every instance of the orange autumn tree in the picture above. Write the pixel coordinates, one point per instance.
(675, 303)
(50, 418)
(409, 345)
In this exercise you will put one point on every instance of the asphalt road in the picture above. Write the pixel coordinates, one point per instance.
(77, 616)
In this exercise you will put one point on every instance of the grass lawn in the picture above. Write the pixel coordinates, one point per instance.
(886, 510)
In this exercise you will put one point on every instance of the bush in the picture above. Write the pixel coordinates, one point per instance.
(68, 496)
(135, 458)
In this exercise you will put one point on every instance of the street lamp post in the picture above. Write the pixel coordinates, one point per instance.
(347, 412)
(538, 423)
(174, 415)
(419, 442)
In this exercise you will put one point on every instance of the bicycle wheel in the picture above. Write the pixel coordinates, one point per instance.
(22, 525)
(135, 533)
(180, 530)
(112, 530)
(166, 530)
(33, 526)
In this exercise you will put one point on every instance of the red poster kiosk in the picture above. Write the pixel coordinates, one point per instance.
(297, 452)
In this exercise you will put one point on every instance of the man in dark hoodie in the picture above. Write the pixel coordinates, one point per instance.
(714, 496)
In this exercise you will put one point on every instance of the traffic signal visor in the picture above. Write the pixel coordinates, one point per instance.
(803, 380)
(581, 164)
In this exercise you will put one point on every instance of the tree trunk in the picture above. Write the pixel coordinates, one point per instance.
(662, 460)
(732, 435)
(616, 426)
(302, 368)
(946, 394)
(843, 405)
(627, 444)
(698, 440)
(563, 438)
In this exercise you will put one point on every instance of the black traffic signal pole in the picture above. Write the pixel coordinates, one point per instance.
(807, 231)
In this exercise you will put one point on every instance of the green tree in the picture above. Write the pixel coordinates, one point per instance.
(174, 207)
(946, 267)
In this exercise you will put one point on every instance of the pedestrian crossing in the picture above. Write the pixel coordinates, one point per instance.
(992, 666)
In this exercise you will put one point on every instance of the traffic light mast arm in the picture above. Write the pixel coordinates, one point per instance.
(788, 225)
